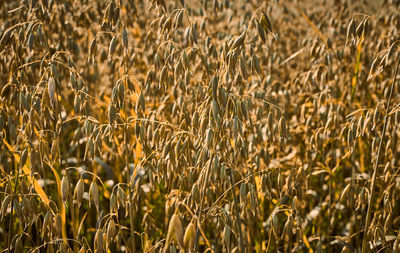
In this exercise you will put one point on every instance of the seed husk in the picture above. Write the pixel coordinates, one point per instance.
(78, 192)
(94, 195)
(64, 188)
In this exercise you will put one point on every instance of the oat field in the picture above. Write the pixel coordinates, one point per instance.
(199, 126)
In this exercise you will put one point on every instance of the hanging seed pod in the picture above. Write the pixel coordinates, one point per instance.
(19, 246)
(58, 224)
(113, 46)
(47, 223)
(113, 203)
(77, 104)
(396, 245)
(266, 24)
(121, 197)
(167, 25)
(92, 48)
(178, 70)
(175, 232)
(350, 137)
(54, 71)
(141, 104)
(186, 60)
(24, 157)
(296, 205)
(194, 33)
(243, 68)
(375, 119)
(111, 114)
(94, 195)
(89, 149)
(367, 123)
(189, 237)
(209, 137)
(214, 85)
(391, 50)
(108, 10)
(51, 88)
(124, 36)
(239, 41)
(245, 111)
(73, 81)
(31, 41)
(255, 64)
(261, 31)
(178, 19)
(216, 111)
(110, 230)
(227, 236)
(50, 248)
(163, 76)
(188, 76)
(55, 149)
(4, 205)
(98, 241)
(78, 192)
(64, 188)
(121, 93)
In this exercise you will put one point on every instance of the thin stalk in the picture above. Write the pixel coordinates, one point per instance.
(74, 217)
(372, 191)
(131, 211)
(237, 211)
(12, 208)
(196, 242)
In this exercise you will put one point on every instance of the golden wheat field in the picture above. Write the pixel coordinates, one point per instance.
(199, 126)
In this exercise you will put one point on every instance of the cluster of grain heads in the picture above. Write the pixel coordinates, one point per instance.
(196, 126)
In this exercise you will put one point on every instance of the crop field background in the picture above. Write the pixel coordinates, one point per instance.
(199, 126)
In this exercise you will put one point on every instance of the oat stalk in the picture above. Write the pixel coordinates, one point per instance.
(375, 173)
(12, 209)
